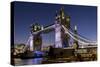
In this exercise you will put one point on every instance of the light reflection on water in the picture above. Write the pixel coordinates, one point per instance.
(28, 61)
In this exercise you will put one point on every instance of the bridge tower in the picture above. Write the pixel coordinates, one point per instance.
(37, 38)
(63, 19)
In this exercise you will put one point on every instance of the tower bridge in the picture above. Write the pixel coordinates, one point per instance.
(63, 34)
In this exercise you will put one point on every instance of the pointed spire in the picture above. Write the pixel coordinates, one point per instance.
(62, 9)
(75, 28)
(62, 13)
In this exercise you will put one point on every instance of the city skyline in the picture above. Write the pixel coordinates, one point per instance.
(25, 14)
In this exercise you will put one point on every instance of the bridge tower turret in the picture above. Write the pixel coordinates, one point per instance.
(64, 20)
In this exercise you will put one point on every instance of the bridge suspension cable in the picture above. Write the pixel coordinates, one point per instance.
(86, 40)
(81, 35)
(27, 43)
(73, 36)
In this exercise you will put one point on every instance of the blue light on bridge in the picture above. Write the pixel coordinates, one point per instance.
(38, 53)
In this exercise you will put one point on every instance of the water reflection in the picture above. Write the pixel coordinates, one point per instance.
(37, 60)
(28, 61)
